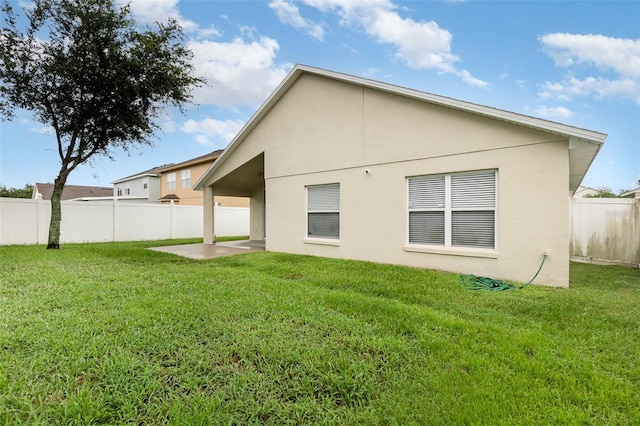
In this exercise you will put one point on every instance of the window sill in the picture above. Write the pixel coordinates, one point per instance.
(322, 241)
(453, 251)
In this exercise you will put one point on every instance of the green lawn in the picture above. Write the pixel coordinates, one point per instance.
(116, 334)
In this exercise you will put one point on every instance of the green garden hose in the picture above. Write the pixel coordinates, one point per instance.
(473, 282)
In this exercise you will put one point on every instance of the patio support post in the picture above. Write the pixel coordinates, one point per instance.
(208, 216)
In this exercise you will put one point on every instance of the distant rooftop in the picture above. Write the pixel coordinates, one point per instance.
(71, 192)
(151, 172)
(201, 159)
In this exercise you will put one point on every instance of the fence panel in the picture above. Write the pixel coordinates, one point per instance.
(606, 230)
(15, 214)
(230, 221)
(83, 222)
(25, 221)
(187, 222)
(139, 222)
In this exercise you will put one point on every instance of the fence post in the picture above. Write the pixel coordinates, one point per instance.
(171, 218)
(39, 219)
(636, 214)
(116, 220)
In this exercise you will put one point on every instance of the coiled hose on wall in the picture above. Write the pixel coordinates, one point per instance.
(473, 282)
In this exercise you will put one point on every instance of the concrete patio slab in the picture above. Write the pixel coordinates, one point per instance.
(209, 251)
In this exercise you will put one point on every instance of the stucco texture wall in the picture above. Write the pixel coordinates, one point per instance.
(325, 131)
(189, 197)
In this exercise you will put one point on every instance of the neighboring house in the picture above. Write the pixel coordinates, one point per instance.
(143, 186)
(634, 193)
(583, 191)
(176, 182)
(43, 191)
(341, 166)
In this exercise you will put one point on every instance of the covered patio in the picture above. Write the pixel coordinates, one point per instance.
(210, 251)
(237, 180)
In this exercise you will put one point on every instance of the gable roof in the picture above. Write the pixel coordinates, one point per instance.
(169, 197)
(631, 192)
(157, 171)
(196, 160)
(72, 192)
(153, 172)
(583, 144)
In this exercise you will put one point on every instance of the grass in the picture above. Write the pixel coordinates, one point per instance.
(116, 334)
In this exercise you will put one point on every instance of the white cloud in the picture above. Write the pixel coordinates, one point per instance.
(213, 132)
(419, 44)
(351, 49)
(289, 14)
(554, 112)
(599, 87)
(522, 84)
(617, 57)
(371, 72)
(241, 71)
(42, 129)
(151, 11)
(238, 72)
(470, 80)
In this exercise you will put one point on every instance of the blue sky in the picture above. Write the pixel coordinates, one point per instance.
(573, 62)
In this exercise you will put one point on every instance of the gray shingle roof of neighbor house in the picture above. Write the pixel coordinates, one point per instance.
(156, 171)
(583, 144)
(631, 192)
(202, 158)
(151, 172)
(72, 192)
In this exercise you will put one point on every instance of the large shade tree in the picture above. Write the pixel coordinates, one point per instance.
(85, 69)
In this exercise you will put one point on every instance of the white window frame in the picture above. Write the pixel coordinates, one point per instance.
(329, 205)
(171, 181)
(449, 207)
(185, 178)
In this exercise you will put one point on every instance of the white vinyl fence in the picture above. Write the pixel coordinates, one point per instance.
(606, 230)
(24, 221)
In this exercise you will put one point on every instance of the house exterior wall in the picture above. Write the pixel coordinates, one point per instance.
(188, 196)
(257, 217)
(137, 190)
(325, 131)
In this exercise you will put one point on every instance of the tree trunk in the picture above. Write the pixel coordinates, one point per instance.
(56, 212)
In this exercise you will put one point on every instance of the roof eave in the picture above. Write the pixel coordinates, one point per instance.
(584, 135)
(135, 177)
(275, 96)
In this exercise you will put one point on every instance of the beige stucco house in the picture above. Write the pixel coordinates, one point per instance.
(176, 182)
(341, 166)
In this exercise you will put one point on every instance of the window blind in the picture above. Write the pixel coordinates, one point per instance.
(457, 209)
(323, 211)
(473, 229)
(426, 228)
(427, 192)
(473, 191)
(323, 198)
